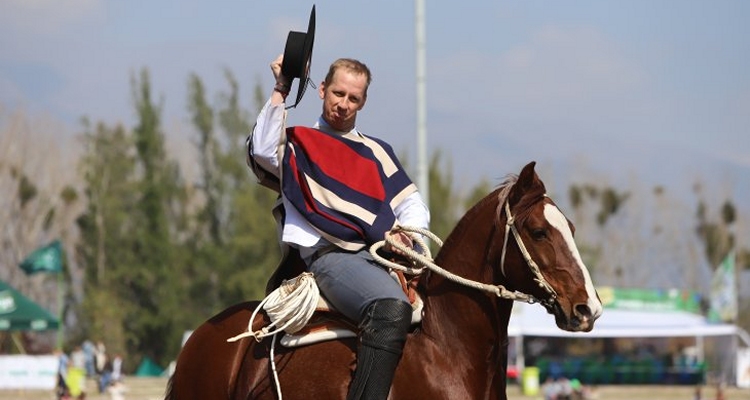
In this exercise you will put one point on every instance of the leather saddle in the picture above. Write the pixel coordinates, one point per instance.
(327, 323)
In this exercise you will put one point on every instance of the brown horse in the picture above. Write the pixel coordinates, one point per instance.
(460, 349)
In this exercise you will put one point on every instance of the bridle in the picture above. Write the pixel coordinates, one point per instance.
(510, 227)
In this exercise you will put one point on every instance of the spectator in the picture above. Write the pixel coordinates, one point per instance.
(550, 390)
(117, 368)
(100, 356)
(105, 377)
(62, 391)
(76, 379)
(88, 352)
(564, 389)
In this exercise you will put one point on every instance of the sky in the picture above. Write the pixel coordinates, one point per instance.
(651, 91)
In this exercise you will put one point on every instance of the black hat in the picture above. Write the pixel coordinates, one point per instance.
(298, 57)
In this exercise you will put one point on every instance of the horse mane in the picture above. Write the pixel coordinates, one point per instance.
(499, 195)
(523, 207)
(503, 191)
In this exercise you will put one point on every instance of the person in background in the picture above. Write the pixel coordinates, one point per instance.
(61, 389)
(89, 363)
(337, 253)
(117, 368)
(100, 356)
(77, 373)
(550, 389)
(105, 376)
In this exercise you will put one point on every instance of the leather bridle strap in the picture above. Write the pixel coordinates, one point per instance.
(510, 226)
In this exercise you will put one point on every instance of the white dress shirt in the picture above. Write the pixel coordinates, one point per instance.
(412, 211)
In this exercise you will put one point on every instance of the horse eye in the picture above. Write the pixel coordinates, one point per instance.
(538, 234)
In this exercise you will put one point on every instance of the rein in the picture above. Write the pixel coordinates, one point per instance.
(425, 259)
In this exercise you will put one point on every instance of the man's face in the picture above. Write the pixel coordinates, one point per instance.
(342, 98)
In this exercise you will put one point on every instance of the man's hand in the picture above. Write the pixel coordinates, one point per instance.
(398, 237)
(276, 69)
(281, 89)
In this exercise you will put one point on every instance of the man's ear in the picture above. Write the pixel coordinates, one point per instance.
(362, 104)
(322, 89)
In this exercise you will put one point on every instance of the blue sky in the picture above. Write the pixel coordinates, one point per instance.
(656, 91)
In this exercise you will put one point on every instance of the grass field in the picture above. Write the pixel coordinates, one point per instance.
(153, 389)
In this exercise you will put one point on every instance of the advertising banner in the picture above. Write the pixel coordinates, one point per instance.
(28, 372)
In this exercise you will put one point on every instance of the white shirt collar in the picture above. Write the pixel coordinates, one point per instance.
(323, 126)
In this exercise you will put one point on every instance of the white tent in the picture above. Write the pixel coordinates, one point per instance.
(532, 320)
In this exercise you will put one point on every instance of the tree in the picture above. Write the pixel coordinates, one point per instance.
(38, 205)
(108, 169)
(150, 283)
(443, 203)
(716, 235)
(254, 247)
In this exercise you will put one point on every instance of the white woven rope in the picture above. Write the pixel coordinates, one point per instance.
(289, 308)
(425, 260)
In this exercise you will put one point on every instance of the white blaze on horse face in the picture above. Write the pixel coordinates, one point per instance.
(556, 218)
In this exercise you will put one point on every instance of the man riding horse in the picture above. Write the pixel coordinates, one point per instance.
(340, 192)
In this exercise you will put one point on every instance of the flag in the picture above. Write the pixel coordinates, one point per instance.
(44, 259)
(723, 306)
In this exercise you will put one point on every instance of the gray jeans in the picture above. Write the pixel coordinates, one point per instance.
(351, 281)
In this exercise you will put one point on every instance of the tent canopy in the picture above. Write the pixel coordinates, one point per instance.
(19, 313)
(533, 320)
(148, 368)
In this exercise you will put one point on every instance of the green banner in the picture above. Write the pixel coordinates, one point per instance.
(650, 300)
(724, 300)
(44, 259)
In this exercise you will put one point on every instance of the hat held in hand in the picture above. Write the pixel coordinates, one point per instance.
(298, 57)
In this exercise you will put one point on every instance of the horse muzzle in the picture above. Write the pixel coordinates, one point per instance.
(580, 319)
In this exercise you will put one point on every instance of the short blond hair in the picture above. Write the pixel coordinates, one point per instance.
(351, 65)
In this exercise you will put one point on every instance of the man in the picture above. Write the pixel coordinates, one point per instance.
(342, 191)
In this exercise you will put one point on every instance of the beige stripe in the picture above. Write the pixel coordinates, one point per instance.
(397, 199)
(331, 200)
(389, 167)
(349, 246)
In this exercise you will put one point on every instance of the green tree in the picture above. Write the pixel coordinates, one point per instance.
(158, 212)
(254, 247)
(107, 167)
(444, 204)
(208, 153)
(239, 210)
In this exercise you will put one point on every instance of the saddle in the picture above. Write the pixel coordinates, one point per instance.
(326, 322)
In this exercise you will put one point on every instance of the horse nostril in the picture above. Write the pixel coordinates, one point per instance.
(583, 311)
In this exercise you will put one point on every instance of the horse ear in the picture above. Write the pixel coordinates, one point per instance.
(527, 174)
(527, 179)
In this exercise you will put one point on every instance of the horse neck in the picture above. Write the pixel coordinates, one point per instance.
(453, 310)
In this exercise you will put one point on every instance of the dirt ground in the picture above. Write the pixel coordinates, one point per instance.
(153, 389)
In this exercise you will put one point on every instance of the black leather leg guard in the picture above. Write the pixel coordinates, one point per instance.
(382, 336)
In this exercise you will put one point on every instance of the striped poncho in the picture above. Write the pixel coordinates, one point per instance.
(346, 187)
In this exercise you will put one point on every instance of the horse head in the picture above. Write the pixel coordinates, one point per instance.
(539, 236)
